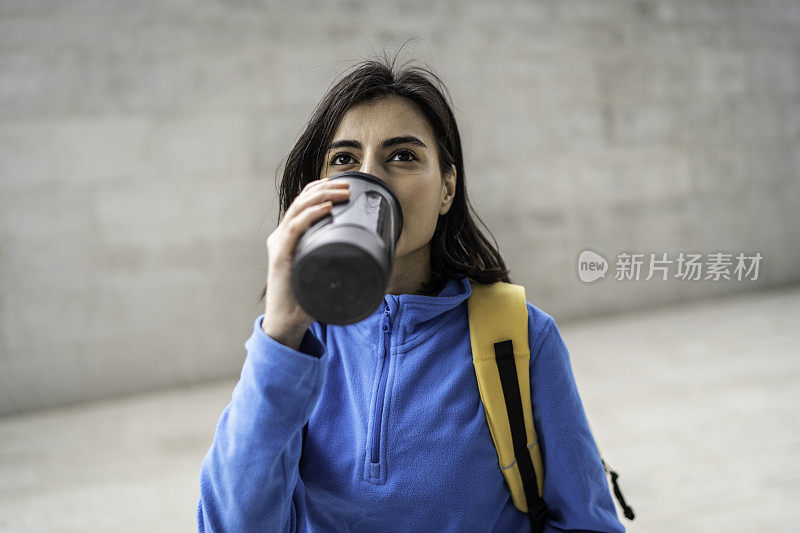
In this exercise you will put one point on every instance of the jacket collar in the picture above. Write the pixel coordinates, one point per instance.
(408, 311)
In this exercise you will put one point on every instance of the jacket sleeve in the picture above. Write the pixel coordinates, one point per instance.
(576, 490)
(249, 479)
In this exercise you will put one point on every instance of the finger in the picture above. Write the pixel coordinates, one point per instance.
(285, 238)
(314, 183)
(301, 222)
(316, 195)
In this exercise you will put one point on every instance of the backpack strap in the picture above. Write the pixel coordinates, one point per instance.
(302, 448)
(498, 325)
(627, 510)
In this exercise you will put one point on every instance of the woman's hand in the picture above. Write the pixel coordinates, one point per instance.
(284, 319)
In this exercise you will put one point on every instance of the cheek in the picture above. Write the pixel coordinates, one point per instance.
(420, 212)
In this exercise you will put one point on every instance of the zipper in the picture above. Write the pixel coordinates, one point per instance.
(376, 424)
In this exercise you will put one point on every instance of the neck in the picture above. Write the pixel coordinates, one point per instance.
(410, 271)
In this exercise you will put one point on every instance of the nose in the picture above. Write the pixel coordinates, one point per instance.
(371, 165)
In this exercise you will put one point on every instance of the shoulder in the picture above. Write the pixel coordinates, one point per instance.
(541, 326)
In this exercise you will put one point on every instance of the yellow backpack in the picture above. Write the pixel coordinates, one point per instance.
(498, 326)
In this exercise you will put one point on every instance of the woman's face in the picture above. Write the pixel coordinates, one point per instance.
(408, 163)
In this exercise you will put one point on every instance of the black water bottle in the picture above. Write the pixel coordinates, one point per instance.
(343, 261)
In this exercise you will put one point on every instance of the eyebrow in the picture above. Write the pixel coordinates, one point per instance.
(392, 141)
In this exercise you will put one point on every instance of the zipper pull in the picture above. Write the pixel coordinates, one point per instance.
(386, 314)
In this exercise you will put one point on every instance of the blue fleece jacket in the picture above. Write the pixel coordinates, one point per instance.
(397, 437)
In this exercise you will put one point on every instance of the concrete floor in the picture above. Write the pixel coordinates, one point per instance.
(695, 405)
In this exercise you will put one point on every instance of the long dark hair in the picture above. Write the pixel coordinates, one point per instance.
(458, 248)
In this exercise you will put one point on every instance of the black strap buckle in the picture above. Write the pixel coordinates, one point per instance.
(537, 513)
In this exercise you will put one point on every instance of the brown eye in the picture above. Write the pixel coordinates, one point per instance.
(335, 158)
(409, 153)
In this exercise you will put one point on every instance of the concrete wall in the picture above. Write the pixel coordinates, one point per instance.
(139, 142)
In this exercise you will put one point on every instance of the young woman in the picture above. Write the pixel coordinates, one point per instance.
(397, 439)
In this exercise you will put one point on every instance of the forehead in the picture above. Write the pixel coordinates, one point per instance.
(388, 117)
